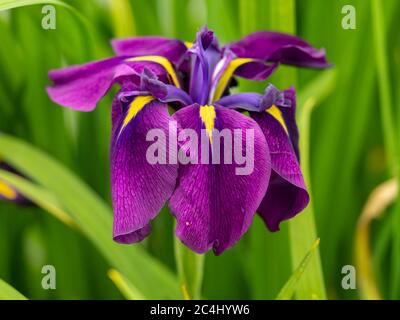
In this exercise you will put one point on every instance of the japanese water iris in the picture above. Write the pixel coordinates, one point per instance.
(213, 205)
(7, 191)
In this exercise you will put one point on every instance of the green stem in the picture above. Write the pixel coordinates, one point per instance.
(302, 228)
(190, 270)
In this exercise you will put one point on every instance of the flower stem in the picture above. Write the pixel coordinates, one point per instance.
(302, 228)
(190, 270)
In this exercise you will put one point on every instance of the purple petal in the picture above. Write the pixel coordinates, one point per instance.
(247, 101)
(256, 70)
(287, 194)
(279, 48)
(204, 57)
(139, 188)
(213, 205)
(289, 116)
(163, 92)
(171, 49)
(256, 102)
(81, 87)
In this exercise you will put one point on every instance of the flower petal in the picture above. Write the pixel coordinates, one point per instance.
(280, 48)
(205, 54)
(213, 205)
(171, 49)
(287, 194)
(139, 188)
(81, 87)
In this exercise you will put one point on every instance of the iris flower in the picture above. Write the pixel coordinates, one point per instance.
(213, 205)
(8, 192)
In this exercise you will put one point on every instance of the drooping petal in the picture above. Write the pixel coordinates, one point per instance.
(280, 48)
(171, 49)
(140, 187)
(81, 87)
(214, 204)
(287, 194)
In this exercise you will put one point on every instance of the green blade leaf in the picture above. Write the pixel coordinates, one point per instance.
(93, 217)
(129, 291)
(38, 195)
(7, 292)
(290, 287)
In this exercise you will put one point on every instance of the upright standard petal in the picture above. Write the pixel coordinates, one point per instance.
(280, 48)
(171, 49)
(214, 204)
(140, 187)
(287, 194)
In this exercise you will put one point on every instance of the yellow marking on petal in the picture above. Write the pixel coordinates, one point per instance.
(227, 75)
(136, 105)
(188, 44)
(277, 114)
(207, 115)
(162, 61)
(7, 192)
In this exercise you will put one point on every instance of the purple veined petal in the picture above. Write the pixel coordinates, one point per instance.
(256, 70)
(81, 87)
(213, 205)
(287, 194)
(172, 49)
(139, 188)
(280, 48)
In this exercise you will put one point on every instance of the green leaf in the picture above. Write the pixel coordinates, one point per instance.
(122, 17)
(290, 287)
(38, 195)
(302, 228)
(190, 270)
(129, 291)
(93, 217)
(7, 292)
(11, 4)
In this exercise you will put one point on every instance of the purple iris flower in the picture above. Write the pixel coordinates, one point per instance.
(8, 192)
(212, 204)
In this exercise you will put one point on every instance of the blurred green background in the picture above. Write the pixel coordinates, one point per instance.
(351, 137)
